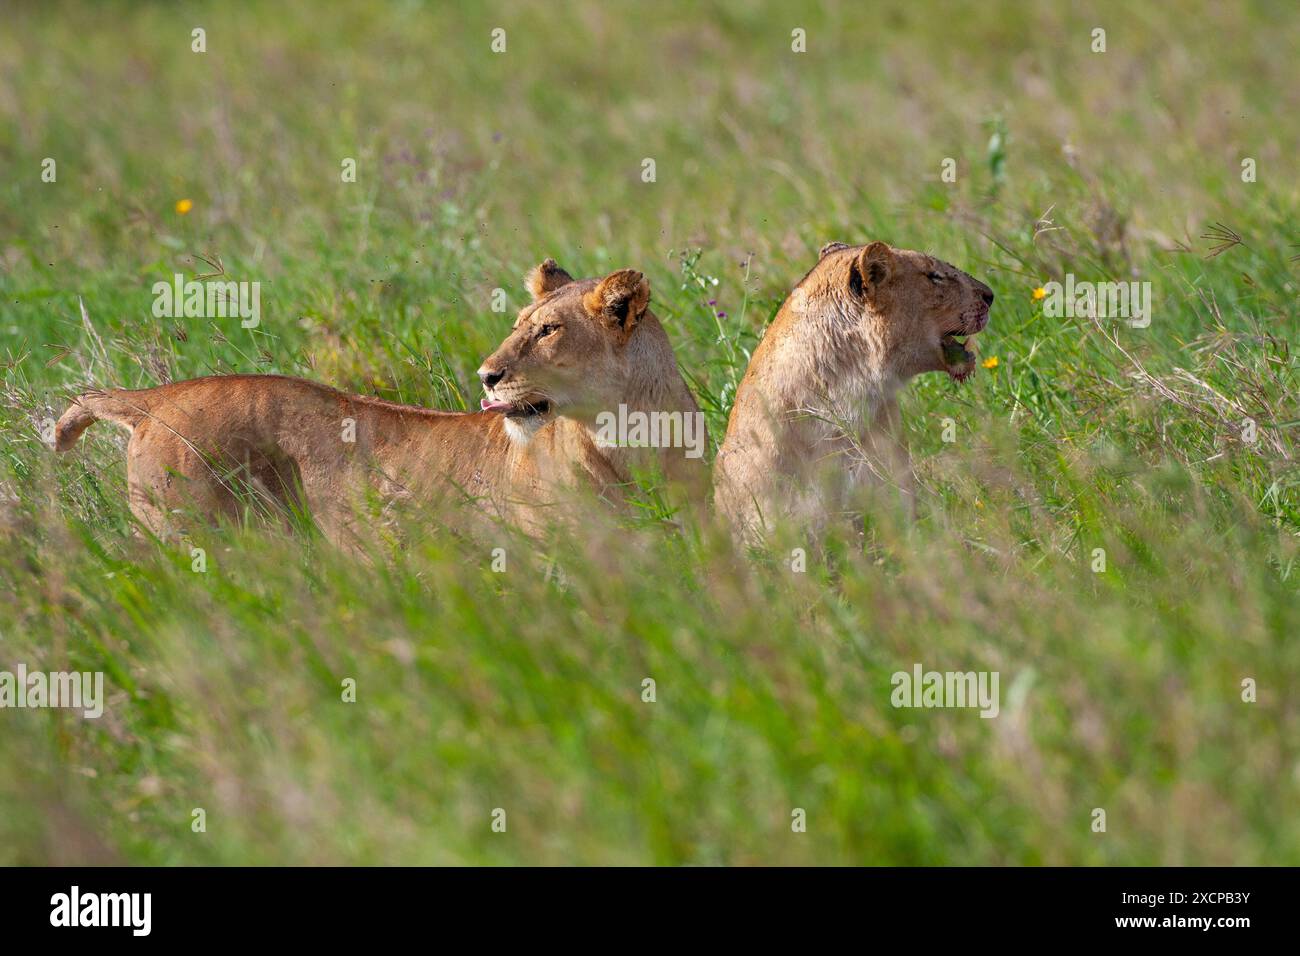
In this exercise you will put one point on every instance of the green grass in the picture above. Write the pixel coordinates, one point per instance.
(1121, 690)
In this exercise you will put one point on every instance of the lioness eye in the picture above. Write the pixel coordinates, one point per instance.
(934, 277)
(545, 330)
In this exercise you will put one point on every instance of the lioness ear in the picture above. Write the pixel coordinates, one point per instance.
(619, 299)
(870, 269)
(831, 247)
(545, 278)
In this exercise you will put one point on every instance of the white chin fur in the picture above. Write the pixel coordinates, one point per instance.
(521, 430)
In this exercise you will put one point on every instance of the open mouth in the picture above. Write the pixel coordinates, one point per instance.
(958, 360)
(523, 408)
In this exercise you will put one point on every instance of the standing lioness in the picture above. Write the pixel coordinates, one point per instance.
(209, 444)
(816, 414)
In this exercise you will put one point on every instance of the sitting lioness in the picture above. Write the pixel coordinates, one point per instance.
(301, 447)
(816, 415)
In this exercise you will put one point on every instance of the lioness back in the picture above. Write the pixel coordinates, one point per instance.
(211, 444)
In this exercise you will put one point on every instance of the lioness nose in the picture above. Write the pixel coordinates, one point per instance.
(987, 295)
(490, 377)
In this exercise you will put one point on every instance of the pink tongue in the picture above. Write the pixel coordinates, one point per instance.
(488, 405)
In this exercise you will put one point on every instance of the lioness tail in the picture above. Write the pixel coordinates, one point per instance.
(119, 406)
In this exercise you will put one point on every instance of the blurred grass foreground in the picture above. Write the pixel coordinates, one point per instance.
(1111, 525)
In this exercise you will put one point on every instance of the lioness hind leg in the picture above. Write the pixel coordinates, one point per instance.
(166, 480)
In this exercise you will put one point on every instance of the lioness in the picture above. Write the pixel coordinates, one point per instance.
(593, 351)
(816, 415)
(301, 446)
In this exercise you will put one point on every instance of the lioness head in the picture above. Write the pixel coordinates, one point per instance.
(920, 307)
(566, 354)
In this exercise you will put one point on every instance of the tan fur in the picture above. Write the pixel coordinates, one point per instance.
(816, 415)
(584, 347)
(211, 444)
